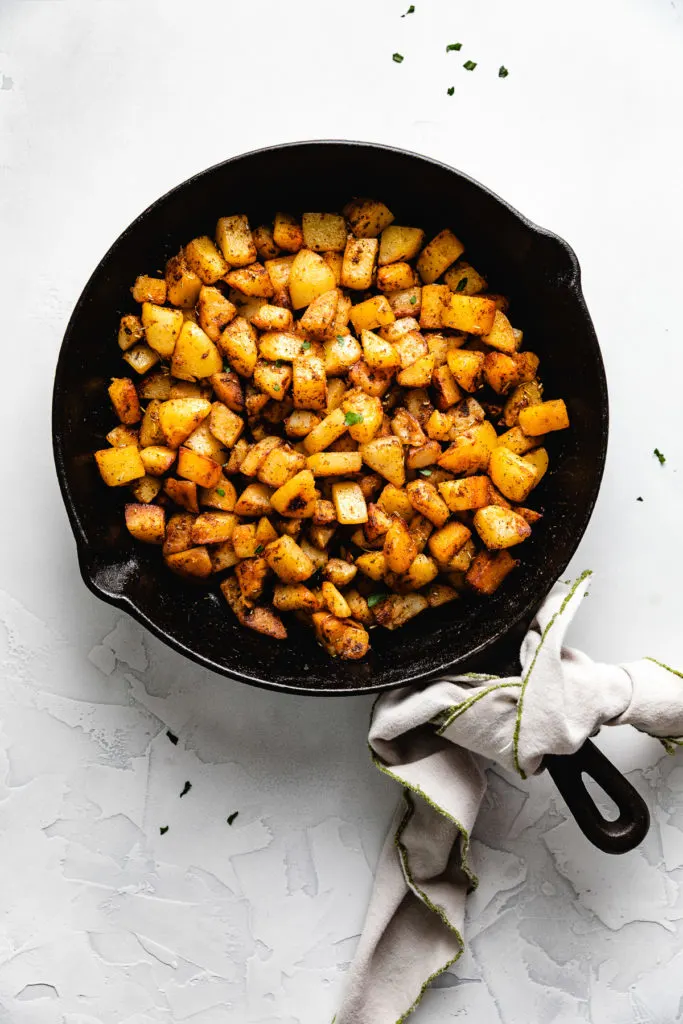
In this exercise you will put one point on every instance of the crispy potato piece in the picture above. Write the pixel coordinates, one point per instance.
(421, 529)
(263, 239)
(341, 638)
(524, 395)
(423, 456)
(272, 318)
(297, 498)
(141, 358)
(440, 593)
(272, 379)
(309, 385)
(182, 284)
(213, 527)
(335, 261)
(130, 331)
(407, 428)
(324, 232)
(291, 597)
(359, 607)
(238, 343)
(425, 499)
(539, 460)
(489, 569)
(406, 302)
(260, 619)
(544, 417)
(334, 463)
(385, 456)
(253, 281)
(470, 451)
(223, 496)
(122, 435)
(422, 571)
(363, 415)
(373, 564)
(399, 243)
(244, 540)
(445, 386)
(418, 374)
(339, 572)
(324, 512)
(146, 523)
(358, 268)
(400, 548)
(183, 493)
(157, 459)
(119, 466)
(398, 609)
(309, 277)
(193, 562)
(470, 313)
(300, 423)
(214, 312)
(327, 431)
(467, 368)
(410, 346)
(335, 601)
(156, 385)
(511, 474)
(280, 465)
(233, 235)
(200, 469)
(149, 289)
(464, 279)
(195, 356)
(396, 277)
(222, 556)
(180, 416)
(162, 328)
(462, 495)
(251, 574)
(279, 270)
(374, 312)
(255, 500)
(320, 315)
(373, 382)
(256, 454)
(125, 400)
(437, 255)
(502, 335)
(204, 442)
(202, 257)
(435, 301)
(288, 560)
(349, 503)
(500, 527)
(189, 389)
(395, 502)
(517, 441)
(418, 405)
(503, 372)
(378, 353)
(340, 353)
(445, 543)
(367, 217)
(225, 424)
(178, 533)
(287, 232)
(439, 345)
(283, 345)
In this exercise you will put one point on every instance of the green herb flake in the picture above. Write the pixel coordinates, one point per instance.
(411, 10)
(259, 549)
(219, 490)
(376, 599)
(451, 90)
(186, 788)
(276, 387)
(413, 300)
(470, 65)
(461, 285)
(172, 737)
(503, 71)
(163, 830)
(341, 339)
(305, 347)
(279, 363)
(453, 46)
(426, 471)
(231, 817)
(397, 58)
(660, 456)
(227, 367)
(352, 418)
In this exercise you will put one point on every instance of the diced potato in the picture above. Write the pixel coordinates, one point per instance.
(439, 345)
(264, 241)
(202, 257)
(255, 500)
(342, 638)
(385, 456)
(373, 564)
(500, 527)
(251, 574)
(421, 529)
(288, 561)
(407, 428)
(359, 607)
(437, 256)
(195, 356)
(244, 540)
(130, 331)
(462, 495)
(373, 382)
(319, 556)
(296, 499)
(399, 243)
(335, 601)
(319, 318)
(291, 597)
(349, 503)
(119, 466)
(524, 395)
(435, 301)
(300, 423)
(183, 493)
(324, 512)
(367, 217)
(260, 619)
(339, 572)
(410, 346)
(238, 343)
(214, 311)
(422, 571)
(280, 465)
(149, 289)
(418, 405)
(398, 609)
(157, 459)
(309, 277)
(272, 379)
(418, 374)
(335, 261)
(470, 313)
(440, 593)
(489, 569)
(162, 328)
(222, 497)
(324, 232)
(322, 436)
(193, 562)
(517, 441)
(334, 463)
(464, 279)
(445, 543)
(200, 469)
(182, 284)
(445, 386)
(122, 435)
(358, 267)
(374, 312)
(503, 372)
(156, 385)
(543, 418)
(287, 232)
(400, 548)
(511, 474)
(141, 358)
(425, 499)
(189, 389)
(213, 527)
(363, 415)
(340, 354)
(283, 345)
(395, 502)
(378, 353)
(272, 318)
(467, 368)
(471, 450)
(502, 335)
(539, 460)
(225, 424)
(279, 270)
(396, 277)
(439, 426)
(125, 400)
(256, 454)
(309, 386)
(180, 416)
(223, 556)
(178, 533)
(233, 235)
(146, 523)
(423, 456)
(253, 281)
(406, 302)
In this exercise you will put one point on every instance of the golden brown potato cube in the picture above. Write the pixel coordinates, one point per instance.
(345, 443)
(445, 543)
(335, 601)
(406, 302)
(398, 609)
(195, 356)
(400, 548)
(213, 527)
(422, 571)
(189, 389)
(260, 619)
(439, 345)
(162, 328)
(156, 385)
(445, 386)
(435, 301)
(470, 313)
(182, 284)
(146, 523)
(119, 466)
(157, 459)
(335, 261)
(395, 502)
(200, 469)
(358, 267)
(297, 498)
(467, 368)
(222, 556)
(373, 382)
(340, 354)
(327, 431)
(425, 499)
(149, 289)
(439, 426)
(362, 414)
(463, 279)
(238, 343)
(339, 572)
(367, 217)
(418, 405)
(279, 270)
(341, 638)
(489, 569)
(440, 593)
(204, 442)
(256, 454)
(324, 512)
(300, 423)
(280, 465)
(309, 277)
(407, 428)
(462, 495)
(359, 607)
(263, 239)
(193, 562)
(471, 450)
(244, 540)
(378, 353)
(291, 597)
(334, 463)
(399, 243)
(178, 533)
(272, 318)
(251, 574)
(437, 255)
(309, 386)
(317, 555)
(511, 474)
(396, 277)
(529, 514)
(517, 441)
(214, 312)
(125, 400)
(272, 379)
(282, 345)
(223, 496)
(122, 435)
(202, 257)
(233, 235)
(324, 232)
(539, 460)
(418, 374)
(287, 232)
(141, 358)
(130, 331)
(349, 503)
(224, 424)
(542, 418)
(530, 393)
(500, 527)
(503, 372)
(180, 416)
(288, 561)
(183, 493)
(320, 315)
(253, 281)
(374, 312)
(423, 456)
(373, 564)
(237, 456)
(385, 456)
(421, 530)
(502, 336)
(410, 346)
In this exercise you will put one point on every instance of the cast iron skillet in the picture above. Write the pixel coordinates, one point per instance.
(540, 273)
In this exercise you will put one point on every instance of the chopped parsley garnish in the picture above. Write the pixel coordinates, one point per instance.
(397, 58)
(451, 90)
(376, 598)
(503, 71)
(453, 46)
(226, 366)
(305, 347)
(231, 817)
(413, 300)
(219, 490)
(259, 549)
(279, 363)
(163, 830)
(341, 339)
(660, 456)
(186, 788)
(461, 285)
(172, 737)
(426, 471)
(352, 418)
(470, 65)
(639, 499)
(276, 387)
(411, 10)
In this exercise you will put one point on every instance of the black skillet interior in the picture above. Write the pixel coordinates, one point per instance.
(536, 269)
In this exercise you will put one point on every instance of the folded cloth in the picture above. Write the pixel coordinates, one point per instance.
(435, 742)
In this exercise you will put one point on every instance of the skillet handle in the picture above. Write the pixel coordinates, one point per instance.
(619, 836)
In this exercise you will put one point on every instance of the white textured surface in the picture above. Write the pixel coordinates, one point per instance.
(104, 106)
